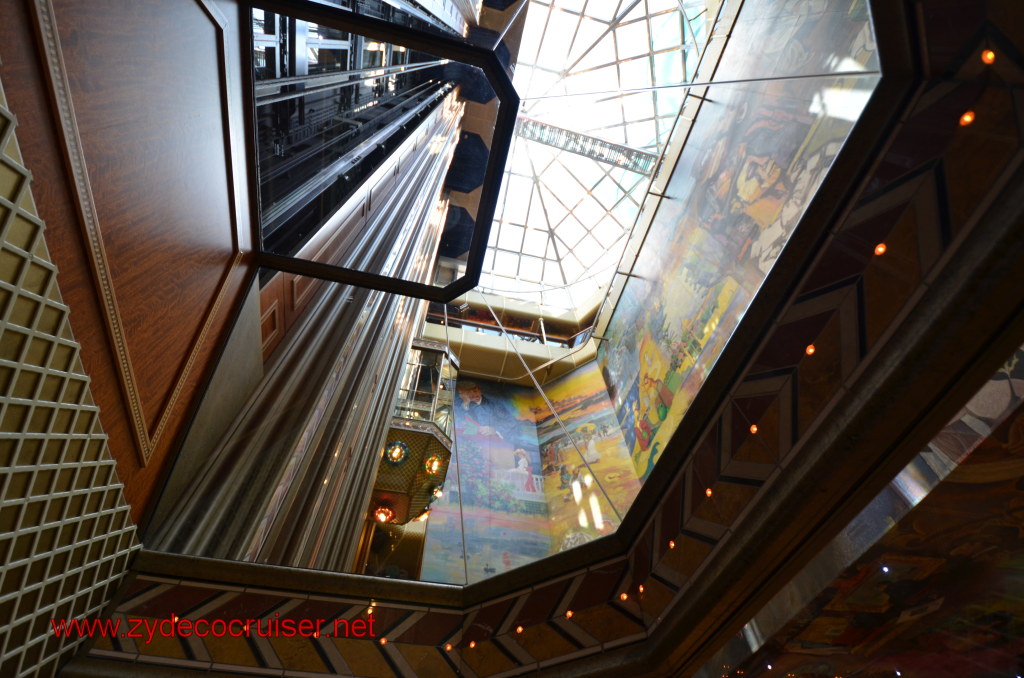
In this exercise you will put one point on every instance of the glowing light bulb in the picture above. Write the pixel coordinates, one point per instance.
(810, 349)
(967, 118)
(988, 56)
(753, 428)
(880, 249)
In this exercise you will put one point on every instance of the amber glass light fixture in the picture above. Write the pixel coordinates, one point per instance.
(432, 464)
(384, 514)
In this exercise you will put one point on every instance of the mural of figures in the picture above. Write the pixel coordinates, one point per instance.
(526, 488)
(753, 161)
(497, 463)
(589, 479)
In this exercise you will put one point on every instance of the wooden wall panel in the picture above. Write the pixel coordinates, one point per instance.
(145, 83)
(126, 109)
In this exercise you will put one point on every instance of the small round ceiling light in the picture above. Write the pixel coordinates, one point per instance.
(396, 452)
(384, 514)
(433, 464)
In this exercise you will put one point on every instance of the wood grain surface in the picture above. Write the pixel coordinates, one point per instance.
(146, 81)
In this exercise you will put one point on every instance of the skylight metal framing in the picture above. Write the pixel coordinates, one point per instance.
(609, 35)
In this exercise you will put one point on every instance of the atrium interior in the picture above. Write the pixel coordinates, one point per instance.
(554, 337)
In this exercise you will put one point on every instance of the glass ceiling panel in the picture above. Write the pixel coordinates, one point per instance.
(584, 204)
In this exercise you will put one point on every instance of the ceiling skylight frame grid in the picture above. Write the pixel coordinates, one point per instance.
(625, 194)
(645, 126)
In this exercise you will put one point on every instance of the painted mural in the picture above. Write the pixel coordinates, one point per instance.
(753, 160)
(521, 486)
(494, 499)
(589, 479)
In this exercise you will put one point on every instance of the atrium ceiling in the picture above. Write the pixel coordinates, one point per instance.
(593, 76)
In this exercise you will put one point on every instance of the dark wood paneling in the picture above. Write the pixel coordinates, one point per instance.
(144, 79)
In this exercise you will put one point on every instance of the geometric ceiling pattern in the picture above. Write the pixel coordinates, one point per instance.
(607, 70)
(938, 594)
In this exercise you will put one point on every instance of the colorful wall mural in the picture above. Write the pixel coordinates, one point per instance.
(753, 160)
(528, 487)
(494, 505)
(588, 476)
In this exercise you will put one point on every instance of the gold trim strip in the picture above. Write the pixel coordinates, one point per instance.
(90, 221)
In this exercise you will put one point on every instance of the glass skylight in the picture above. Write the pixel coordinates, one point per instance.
(592, 76)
